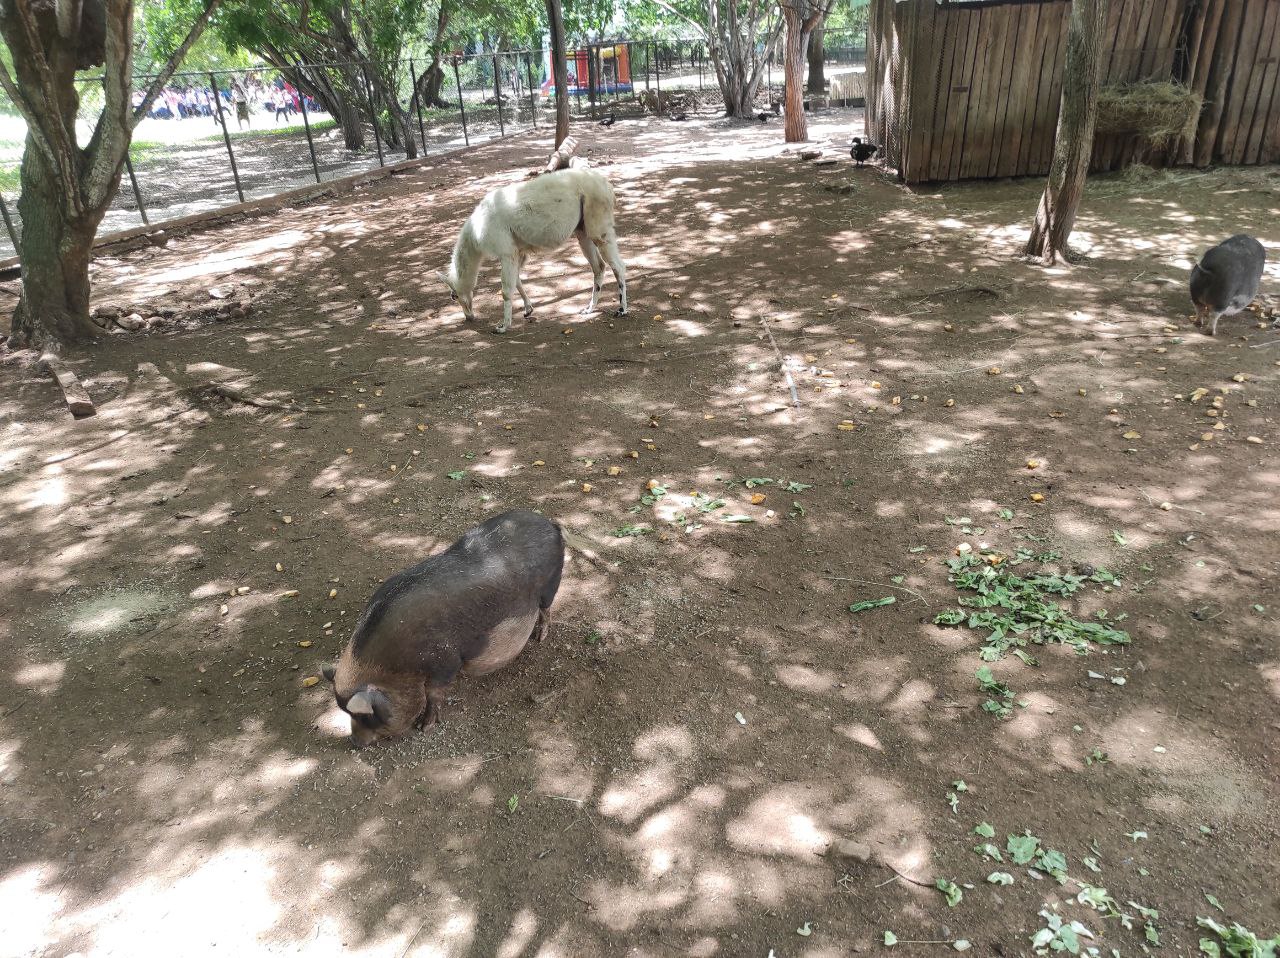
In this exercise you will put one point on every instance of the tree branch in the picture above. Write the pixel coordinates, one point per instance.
(701, 28)
(33, 123)
(175, 60)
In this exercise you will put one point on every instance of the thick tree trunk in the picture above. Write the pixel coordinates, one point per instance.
(55, 253)
(796, 124)
(1073, 144)
(817, 77)
(560, 69)
(430, 83)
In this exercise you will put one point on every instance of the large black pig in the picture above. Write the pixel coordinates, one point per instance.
(471, 608)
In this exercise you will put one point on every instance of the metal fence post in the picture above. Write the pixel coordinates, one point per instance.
(457, 79)
(137, 193)
(533, 101)
(497, 95)
(226, 136)
(306, 125)
(700, 58)
(657, 75)
(8, 224)
(417, 105)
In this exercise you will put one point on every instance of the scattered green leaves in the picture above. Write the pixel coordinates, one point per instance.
(1059, 935)
(1120, 540)
(1000, 878)
(954, 801)
(1016, 610)
(985, 830)
(989, 852)
(890, 939)
(1096, 757)
(653, 494)
(752, 483)
(1005, 514)
(460, 474)
(1000, 701)
(513, 803)
(624, 532)
(796, 487)
(1237, 941)
(953, 891)
(1022, 848)
(1214, 902)
(1053, 862)
(1136, 836)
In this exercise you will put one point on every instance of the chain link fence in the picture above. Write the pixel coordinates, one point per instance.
(214, 139)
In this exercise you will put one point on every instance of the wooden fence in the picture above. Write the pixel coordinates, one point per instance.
(959, 89)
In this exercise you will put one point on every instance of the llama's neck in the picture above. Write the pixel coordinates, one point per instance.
(466, 261)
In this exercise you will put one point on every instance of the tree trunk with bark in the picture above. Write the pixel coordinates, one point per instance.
(560, 69)
(1073, 144)
(801, 18)
(817, 76)
(66, 188)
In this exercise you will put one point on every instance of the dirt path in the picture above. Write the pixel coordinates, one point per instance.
(673, 771)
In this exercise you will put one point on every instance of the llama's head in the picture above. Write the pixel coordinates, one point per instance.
(457, 292)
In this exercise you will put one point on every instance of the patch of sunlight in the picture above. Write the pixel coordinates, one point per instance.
(50, 492)
(225, 906)
(523, 927)
(687, 328)
(862, 735)
(779, 823)
(44, 677)
(27, 909)
(953, 224)
(260, 252)
(118, 611)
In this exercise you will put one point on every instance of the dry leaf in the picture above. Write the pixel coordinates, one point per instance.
(279, 567)
(422, 427)
(538, 462)
(1253, 439)
(333, 593)
(288, 593)
(994, 371)
(1017, 388)
(304, 644)
(633, 454)
(758, 498)
(586, 487)
(1166, 506)
(310, 680)
(223, 610)
(614, 470)
(1132, 434)
(1033, 463)
(1239, 378)
(949, 403)
(1037, 497)
(286, 519)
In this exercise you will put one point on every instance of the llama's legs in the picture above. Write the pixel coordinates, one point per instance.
(510, 279)
(528, 306)
(611, 254)
(597, 268)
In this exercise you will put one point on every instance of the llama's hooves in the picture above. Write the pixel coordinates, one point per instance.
(498, 329)
(620, 311)
(528, 313)
(588, 310)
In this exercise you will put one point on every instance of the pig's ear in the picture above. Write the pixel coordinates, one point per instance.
(371, 702)
(328, 672)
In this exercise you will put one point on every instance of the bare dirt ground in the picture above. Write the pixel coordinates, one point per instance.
(673, 772)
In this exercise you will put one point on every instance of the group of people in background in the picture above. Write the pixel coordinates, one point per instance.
(240, 97)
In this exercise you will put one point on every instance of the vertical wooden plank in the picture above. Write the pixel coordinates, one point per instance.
(1004, 128)
(963, 33)
(1270, 149)
(946, 27)
(1264, 92)
(1020, 110)
(1050, 96)
(1242, 83)
(923, 74)
(1201, 70)
(981, 41)
(979, 129)
(1008, 52)
(1118, 59)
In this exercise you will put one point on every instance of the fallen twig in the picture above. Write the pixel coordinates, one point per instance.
(782, 363)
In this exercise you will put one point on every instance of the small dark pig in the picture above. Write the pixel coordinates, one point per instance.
(1226, 279)
(468, 609)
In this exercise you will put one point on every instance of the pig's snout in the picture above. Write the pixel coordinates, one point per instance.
(362, 737)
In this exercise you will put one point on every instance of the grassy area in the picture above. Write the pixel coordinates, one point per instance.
(319, 126)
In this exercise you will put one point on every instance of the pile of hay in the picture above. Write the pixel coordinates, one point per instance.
(1159, 112)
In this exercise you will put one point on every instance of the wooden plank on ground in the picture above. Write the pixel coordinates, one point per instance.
(74, 394)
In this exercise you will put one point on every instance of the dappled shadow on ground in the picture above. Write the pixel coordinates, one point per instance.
(669, 772)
